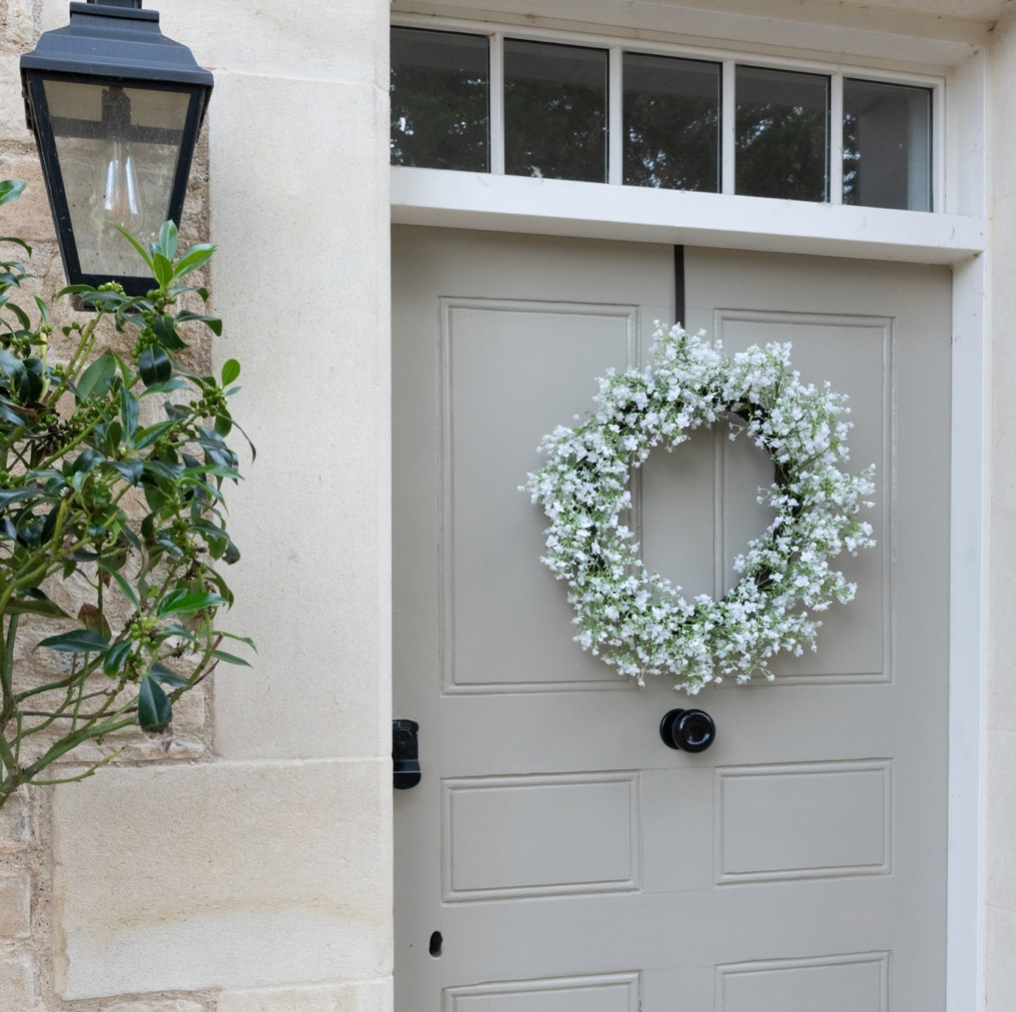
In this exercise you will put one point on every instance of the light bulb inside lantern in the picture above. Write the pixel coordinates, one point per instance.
(118, 187)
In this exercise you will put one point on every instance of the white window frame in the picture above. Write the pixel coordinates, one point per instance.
(956, 233)
(728, 61)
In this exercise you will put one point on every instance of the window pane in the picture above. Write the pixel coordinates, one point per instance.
(555, 111)
(671, 123)
(782, 134)
(118, 149)
(886, 145)
(439, 88)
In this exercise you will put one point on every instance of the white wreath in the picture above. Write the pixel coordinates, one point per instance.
(638, 620)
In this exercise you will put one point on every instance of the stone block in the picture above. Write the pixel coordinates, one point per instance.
(15, 905)
(180, 1005)
(29, 216)
(12, 106)
(15, 828)
(319, 687)
(1001, 831)
(183, 877)
(342, 41)
(17, 984)
(372, 996)
(1000, 967)
(182, 740)
(20, 27)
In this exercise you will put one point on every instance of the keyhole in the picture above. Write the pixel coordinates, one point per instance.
(436, 941)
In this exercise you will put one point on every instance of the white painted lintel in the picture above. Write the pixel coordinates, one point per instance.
(596, 211)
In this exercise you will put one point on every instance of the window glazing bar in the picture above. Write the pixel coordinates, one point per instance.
(615, 118)
(497, 104)
(728, 126)
(835, 175)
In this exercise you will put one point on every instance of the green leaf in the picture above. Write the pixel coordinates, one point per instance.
(10, 189)
(241, 639)
(8, 496)
(154, 708)
(129, 414)
(152, 434)
(154, 366)
(142, 252)
(168, 239)
(195, 257)
(21, 242)
(22, 316)
(253, 448)
(80, 641)
(74, 290)
(12, 367)
(114, 434)
(230, 658)
(219, 470)
(45, 608)
(168, 676)
(177, 631)
(163, 269)
(223, 425)
(180, 602)
(95, 380)
(230, 371)
(86, 462)
(43, 309)
(117, 657)
(165, 331)
(128, 591)
(129, 470)
(213, 323)
(165, 388)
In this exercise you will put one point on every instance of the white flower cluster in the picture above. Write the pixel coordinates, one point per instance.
(638, 621)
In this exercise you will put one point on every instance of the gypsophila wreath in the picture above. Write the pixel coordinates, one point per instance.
(637, 620)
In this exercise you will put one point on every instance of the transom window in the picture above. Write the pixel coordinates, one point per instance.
(527, 107)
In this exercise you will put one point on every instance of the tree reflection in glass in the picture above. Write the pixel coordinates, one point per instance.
(555, 101)
(671, 123)
(439, 95)
(782, 134)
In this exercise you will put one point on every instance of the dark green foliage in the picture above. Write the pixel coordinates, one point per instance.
(439, 103)
(555, 111)
(782, 134)
(671, 123)
(135, 510)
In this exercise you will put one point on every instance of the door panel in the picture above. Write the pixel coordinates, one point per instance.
(569, 859)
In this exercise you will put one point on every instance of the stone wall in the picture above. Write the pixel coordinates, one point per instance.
(249, 869)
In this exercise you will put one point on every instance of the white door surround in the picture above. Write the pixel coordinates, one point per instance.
(957, 236)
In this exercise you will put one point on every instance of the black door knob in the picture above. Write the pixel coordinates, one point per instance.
(688, 730)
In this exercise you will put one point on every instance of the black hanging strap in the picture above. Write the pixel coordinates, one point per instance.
(679, 307)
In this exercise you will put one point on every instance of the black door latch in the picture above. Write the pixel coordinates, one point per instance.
(688, 730)
(405, 754)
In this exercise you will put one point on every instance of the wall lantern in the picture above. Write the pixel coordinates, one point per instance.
(116, 108)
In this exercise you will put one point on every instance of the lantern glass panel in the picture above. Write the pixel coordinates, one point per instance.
(118, 149)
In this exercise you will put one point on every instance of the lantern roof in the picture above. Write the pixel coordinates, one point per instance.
(115, 39)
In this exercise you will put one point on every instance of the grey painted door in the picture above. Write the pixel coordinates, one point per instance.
(568, 859)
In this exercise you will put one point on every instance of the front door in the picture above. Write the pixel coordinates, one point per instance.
(557, 856)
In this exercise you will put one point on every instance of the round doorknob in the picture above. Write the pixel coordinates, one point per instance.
(688, 730)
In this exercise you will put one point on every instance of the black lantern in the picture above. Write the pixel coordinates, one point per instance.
(116, 108)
